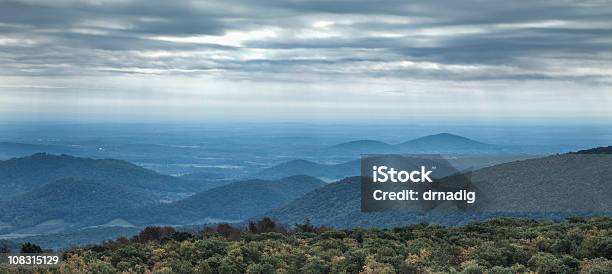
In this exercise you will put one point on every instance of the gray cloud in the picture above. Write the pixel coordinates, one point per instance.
(91, 34)
(383, 46)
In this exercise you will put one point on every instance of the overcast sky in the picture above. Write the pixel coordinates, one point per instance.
(305, 60)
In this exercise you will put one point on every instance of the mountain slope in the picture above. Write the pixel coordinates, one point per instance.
(303, 167)
(233, 202)
(73, 201)
(338, 205)
(569, 182)
(21, 175)
(330, 205)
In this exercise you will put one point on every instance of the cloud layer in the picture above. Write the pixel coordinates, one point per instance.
(307, 58)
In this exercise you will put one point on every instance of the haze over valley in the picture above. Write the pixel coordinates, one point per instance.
(77, 184)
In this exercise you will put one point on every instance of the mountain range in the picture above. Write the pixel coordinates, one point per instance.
(61, 193)
(233, 202)
(546, 187)
(25, 174)
(328, 172)
(337, 171)
(73, 201)
(437, 143)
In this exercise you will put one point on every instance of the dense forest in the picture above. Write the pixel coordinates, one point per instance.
(576, 245)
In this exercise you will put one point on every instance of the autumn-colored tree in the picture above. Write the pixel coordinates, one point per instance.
(154, 233)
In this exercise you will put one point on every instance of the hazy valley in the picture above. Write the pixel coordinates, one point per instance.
(61, 200)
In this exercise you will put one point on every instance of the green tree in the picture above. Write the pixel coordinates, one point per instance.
(30, 248)
(545, 263)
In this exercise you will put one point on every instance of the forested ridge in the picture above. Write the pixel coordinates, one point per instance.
(576, 245)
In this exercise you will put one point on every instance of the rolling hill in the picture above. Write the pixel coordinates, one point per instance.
(548, 187)
(437, 143)
(442, 142)
(304, 167)
(21, 175)
(338, 205)
(334, 172)
(561, 183)
(75, 202)
(232, 202)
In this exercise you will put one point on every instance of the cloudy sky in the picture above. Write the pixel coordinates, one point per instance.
(305, 60)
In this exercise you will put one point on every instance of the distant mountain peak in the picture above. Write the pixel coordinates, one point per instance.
(300, 161)
(444, 142)
(444, 136)
(361, 143)
(435, 143)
